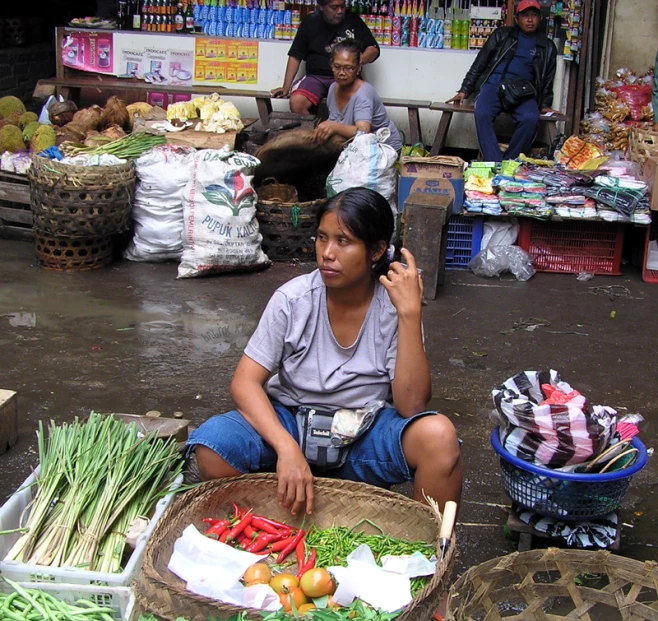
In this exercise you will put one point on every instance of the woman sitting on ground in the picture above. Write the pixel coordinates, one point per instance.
(354, 105)
(344, 336)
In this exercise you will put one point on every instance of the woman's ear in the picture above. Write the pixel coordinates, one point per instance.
(382, 247)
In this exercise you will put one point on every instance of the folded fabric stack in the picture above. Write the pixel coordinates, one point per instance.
(524, 197)
(480, 202)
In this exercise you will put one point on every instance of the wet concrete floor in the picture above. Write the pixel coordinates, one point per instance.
(131, 338)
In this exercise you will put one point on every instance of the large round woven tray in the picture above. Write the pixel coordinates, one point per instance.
(556, 584)
(80, 201)
(288, 229)
(338, 502)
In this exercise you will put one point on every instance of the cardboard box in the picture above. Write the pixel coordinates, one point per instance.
(441, 175)
(8, 420)
(650, 175)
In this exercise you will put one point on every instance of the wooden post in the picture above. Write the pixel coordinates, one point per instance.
(424, 228)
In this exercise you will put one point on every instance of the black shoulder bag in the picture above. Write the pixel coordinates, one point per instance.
(514, 91)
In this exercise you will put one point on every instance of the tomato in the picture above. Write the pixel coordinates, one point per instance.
(288, 596)
(317, 583)
(256, 581)
(259, 573)
(284, 581)
(304, 608)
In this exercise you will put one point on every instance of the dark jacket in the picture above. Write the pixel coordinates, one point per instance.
(502, 42)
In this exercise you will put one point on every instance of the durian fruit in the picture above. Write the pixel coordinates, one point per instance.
(43, 138)
(9, 105)
(11, 139)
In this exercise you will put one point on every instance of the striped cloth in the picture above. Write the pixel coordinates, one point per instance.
(599, 533)
(551, 435)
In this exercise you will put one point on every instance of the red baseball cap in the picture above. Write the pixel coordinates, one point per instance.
(528, 4)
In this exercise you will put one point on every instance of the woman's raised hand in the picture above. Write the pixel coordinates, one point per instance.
(404, 285)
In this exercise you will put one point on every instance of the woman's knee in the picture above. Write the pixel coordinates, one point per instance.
(431, 437)
(211, 465)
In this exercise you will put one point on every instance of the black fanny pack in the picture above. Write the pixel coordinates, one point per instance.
(515, 91)
(325, 436)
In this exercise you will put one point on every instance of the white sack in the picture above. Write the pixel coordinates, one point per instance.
(162, 174)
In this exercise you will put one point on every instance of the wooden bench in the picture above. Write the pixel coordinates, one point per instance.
(448, 109)
(70, 86)
(413, 107)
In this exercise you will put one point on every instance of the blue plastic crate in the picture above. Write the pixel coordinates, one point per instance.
(464, 241)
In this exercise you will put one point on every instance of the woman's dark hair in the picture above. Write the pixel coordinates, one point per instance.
(368, 216)
(351, 46)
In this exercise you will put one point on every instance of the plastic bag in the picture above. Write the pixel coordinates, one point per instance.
(497, 233)
(635, 96)
(367, 162)
(494, 260)
(550, 434)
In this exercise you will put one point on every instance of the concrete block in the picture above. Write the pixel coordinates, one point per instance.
(8, 419)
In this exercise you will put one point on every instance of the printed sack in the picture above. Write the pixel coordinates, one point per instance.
(219, 209)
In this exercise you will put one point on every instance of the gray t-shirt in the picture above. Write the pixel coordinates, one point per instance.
(294, 336)
(364, 105)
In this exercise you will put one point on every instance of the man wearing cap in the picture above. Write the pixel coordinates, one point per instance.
(517, 53)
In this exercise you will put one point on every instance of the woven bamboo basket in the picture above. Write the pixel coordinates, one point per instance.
(80, 201)
(270, 190)
(72, 254)
(642, 143)
(288, 229)
(337, 502)
(553, 584)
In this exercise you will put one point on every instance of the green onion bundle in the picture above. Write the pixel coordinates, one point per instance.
(96, 478)
(126, 147)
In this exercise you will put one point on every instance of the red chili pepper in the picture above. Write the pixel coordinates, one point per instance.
(310, 564)
(279, 545)
(250, 531)
(264, 525)
(300, 552)
(211, 521)
(291, 546)
(236, 511)
(224, 535)
(239, 527)
(278, 525)
(217, 528)
(261, 542)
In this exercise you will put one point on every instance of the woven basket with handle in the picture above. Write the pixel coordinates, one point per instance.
(337, 502)
(288, 229)
(553, 584)
(80, 201)
(271, 190)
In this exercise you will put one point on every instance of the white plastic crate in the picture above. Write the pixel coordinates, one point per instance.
(10, 518)
(120, 599)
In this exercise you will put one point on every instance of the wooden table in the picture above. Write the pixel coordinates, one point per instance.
(448, 110)
(69, 87)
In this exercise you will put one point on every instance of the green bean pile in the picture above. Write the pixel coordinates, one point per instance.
(333, 545)
(37, 605)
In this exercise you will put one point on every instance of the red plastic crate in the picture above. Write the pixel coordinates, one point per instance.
(573, 247)
(652, 233)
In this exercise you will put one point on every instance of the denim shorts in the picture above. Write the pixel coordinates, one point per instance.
(375, 458)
